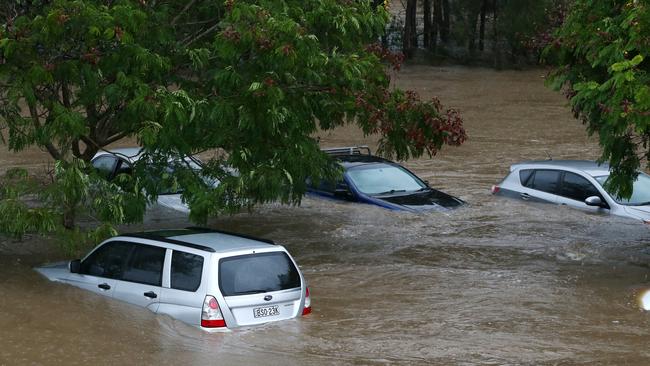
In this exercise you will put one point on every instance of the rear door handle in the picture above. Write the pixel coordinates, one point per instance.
(525, 196)
(150, 294)
(104, 286)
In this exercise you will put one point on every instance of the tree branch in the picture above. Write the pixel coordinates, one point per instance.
(186, 8)
(75, 148)
(90, 142)
(198, 22)
(189, 40)
(65, 94)
(56, 154)
(116, 137)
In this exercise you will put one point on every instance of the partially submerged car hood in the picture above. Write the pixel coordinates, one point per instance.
(53, 271)
(174, 202)
(642, 212)
(423, 201)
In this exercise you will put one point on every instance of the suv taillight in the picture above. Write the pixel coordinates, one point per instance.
(307, 309)
(211, 314)
(495, 189)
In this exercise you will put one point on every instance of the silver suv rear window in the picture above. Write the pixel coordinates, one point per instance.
(257, 273)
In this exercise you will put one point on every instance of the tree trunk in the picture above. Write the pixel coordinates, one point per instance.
(384, 37)
(495, 43)
(471, 23)
(437, 19)
(410, 39)
(481, 32)
(445, 29)
(69, 216)
(428, 31)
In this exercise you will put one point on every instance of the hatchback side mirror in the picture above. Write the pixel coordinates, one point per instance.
(74, 266)
(594, 201)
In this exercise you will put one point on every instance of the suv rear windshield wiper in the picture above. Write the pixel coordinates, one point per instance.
(250, 292)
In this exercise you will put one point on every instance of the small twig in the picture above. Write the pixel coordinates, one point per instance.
(207, 31)
(199, 22)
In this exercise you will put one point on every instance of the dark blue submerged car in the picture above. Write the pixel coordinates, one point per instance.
(374, 180)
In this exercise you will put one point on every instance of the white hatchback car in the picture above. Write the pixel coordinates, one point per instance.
(576, 183)
(110, 163)
(207, 278)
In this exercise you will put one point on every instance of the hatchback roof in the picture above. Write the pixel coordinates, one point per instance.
(132, 153)
(206, 239)
(588, 166)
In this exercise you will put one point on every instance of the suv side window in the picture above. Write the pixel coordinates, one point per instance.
(107, 261)
(145, 265)
(577, 187)
(186, 271)
(546, 181)
(105, 165)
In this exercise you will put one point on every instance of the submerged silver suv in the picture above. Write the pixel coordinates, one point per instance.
(207, 278)
(576, 183)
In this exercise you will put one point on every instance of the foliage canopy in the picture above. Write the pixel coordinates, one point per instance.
(601, 52)
(251, 81)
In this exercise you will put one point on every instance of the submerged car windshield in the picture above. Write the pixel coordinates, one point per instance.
(380, 178)
(640, 191)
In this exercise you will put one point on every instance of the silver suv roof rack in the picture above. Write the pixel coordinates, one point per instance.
(349, 150)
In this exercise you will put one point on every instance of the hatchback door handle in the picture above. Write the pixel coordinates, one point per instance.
(150, 294)
(104, 286)
(525, 196)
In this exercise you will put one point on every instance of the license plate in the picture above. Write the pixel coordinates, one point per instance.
(266, 311)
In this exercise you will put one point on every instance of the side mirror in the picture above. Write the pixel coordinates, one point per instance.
(74, 266)
(594, 201)
(427, 183)
(343, 191)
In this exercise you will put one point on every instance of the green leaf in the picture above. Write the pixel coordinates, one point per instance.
(93, 30)
(627, 64)
(109, 33)
(254, 86)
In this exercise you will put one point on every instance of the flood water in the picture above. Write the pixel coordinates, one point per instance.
(497, 282)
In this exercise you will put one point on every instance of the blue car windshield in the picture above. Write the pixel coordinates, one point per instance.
(640, 191)
(377, 179)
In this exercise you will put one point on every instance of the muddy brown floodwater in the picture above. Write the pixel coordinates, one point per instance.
(497, 282)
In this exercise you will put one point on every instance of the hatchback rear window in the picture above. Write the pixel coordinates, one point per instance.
(257, 273)
(524, 177)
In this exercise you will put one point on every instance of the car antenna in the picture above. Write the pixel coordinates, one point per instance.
(548, 155)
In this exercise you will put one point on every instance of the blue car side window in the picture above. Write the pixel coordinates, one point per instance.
(323, 185)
